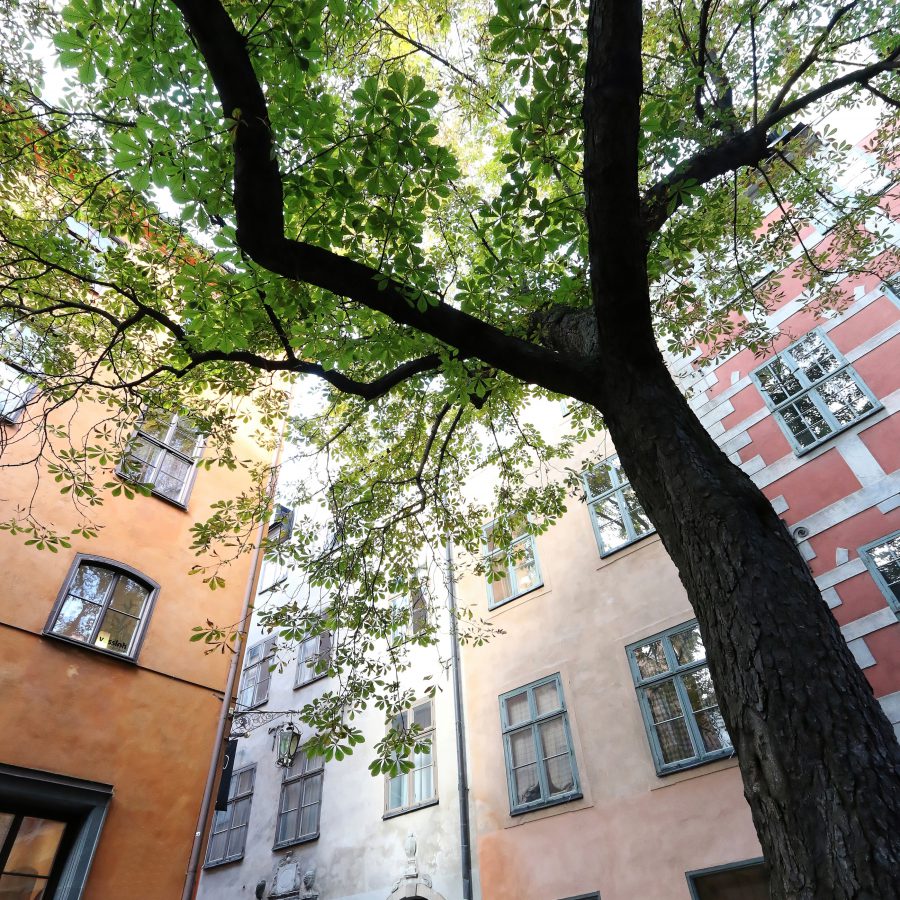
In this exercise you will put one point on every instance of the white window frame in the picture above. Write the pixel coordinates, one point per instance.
(256, 672)
(409, 777)
(318, 647)
(810, 390)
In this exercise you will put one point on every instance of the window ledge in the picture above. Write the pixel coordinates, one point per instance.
(308, 682)
(111, 654)
(178, 504)
(606, 554)
(531, 590)
(393, 813)
(293, 843)
(556, 801)
(695, 764)
(223, 862)
(802, 451)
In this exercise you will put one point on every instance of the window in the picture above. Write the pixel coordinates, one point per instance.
(513, 572)
(20, 353)
(301, 801)
(257, 675)
(540, 760)
(14, 393)
(410, 614)
(310, 653)
(49, 829)
(229, 830)
(104, 605)
(617, 514)
(281, 526)
(410, 790)
(678, 699)
(740, 881)
(882, 557)
(162, 454)
(813, 392)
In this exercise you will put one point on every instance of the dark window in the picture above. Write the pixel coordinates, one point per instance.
(743, 881)
(229, 831)
(678, 699)
(257, 675)
(281, 525)
(103, 606)
(540, 757)
(162, 454)
(301, 801)
(418, 787)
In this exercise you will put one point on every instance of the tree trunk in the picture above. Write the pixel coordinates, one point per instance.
(819, 759)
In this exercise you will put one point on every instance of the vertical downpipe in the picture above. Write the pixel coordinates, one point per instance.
(465, 835)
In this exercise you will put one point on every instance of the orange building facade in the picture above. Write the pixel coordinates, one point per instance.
(108, 712)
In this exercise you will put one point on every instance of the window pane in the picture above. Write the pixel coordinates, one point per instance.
(688, 646)
(674, 741)
(844, 398)
(22, 887)
(290, 796)
(745, 883)
(397, 792)
(501, 586)
(287, 825)
(76, 619)
(423, 780)
(553, 738)
(241, 812)
(222, 820)
(309, 819)
(422, 715)
(546, 698)
(522, 748)
(778, 382)
(312, 789)
(6, 820)
(128, 596)
(141, 461)
(116, 632)
(609, 523)
(35, 846)
(886, 557)
(311, 763)
(524, 566)
(217, 847)
(663, 701)
(517, 708)
(599, 480)
(813, 357)
(171, 476)
(91, 582)
(639, 520)
(183, 439)
(559, 774)
(527, 786)
(805, 421)
(245, 781)
(712, 730)
(236, 839)
(651, 659)
(156, 425)
(702, 696)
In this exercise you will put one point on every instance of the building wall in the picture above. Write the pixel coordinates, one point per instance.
(358, 855)
(144, 727)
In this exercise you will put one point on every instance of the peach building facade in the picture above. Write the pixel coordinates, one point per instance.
(108, 711)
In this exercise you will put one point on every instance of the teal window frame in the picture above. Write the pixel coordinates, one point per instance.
(522, 540)
(673, 673)
(810, 389)
(696, 874)
(532, 724)
(883, 584)
(617, 491)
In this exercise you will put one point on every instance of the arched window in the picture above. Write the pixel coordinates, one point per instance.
(104, 605)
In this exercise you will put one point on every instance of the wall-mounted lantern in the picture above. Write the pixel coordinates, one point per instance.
(287, 742)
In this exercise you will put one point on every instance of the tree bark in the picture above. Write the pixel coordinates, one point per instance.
(819, 759)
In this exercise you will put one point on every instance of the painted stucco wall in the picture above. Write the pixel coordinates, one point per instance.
(145, 727)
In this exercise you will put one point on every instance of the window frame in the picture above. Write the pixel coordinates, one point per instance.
(14, 416)
(232, 802)
(810, 389)
(161, 444)
(271, 643)
(510, 569)
(692, 876)
(323, 637)
(535, 720)
(305, 775)
(390, 813)
(701, 756)
(892, 600)
(617, 491)
(120, 569)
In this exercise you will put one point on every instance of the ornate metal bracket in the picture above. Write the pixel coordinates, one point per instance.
(242, 723)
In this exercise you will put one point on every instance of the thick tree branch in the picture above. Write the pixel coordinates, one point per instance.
(258, 202)
(747, 148)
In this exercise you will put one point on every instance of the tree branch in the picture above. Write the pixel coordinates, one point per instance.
(258, 203)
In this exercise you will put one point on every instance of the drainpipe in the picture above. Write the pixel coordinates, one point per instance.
(215, 767)
(465, 834)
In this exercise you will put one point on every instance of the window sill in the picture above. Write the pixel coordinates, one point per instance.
(308, 682)
(531, 590)
(223, 862)
(695, 764)
(111, 654)
(178, 504)
(293, 843)
(394, 813)
(556, 801)
(802, 451)
(606, 554)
